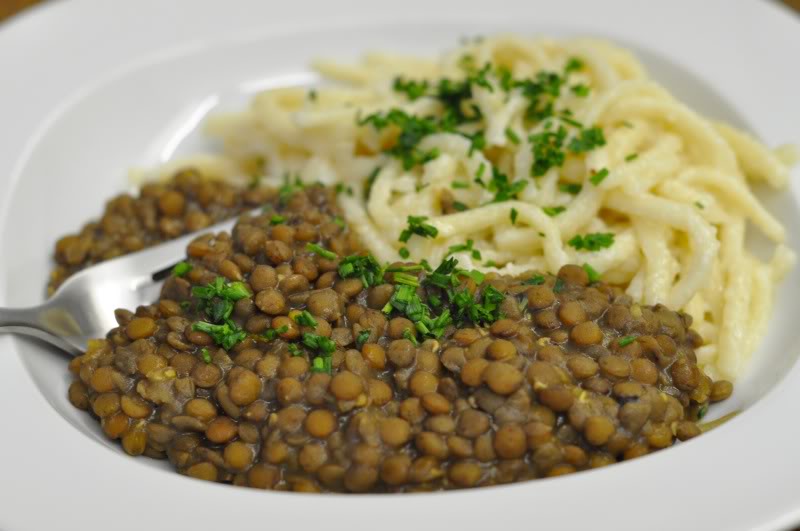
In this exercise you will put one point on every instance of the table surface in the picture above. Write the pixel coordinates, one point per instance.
(9, 8)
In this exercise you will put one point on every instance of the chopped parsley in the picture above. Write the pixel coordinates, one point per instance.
(294, 350)
(404, 253)
(412, 130)
(406, 301)
(412, 89)
(408, 334)
(225, 335)
(569, 188)
(598, 176)
(205, 355)
(625, 341)
(305, 318)
(502, 188)
(490, 263)
(288, 188)
(371, 181)
(319, 343)
(479, 173)
(513, 214)
(553, 211)
(594, 276)
(320, 251)
(322, 364)
(277, 219)
(485, 312)
(216, 298)
(547, 148)
(458, 206)
(535, 280)
(699, 205)
(631, 157)
(580, 90)
(512, 136)
(701, 411)
(341, 188)
(362, 338)
(464, 247)
(273, 333)
(587, 140)
(559, 285)
(459, 184)
(181, 268)
(417, 225)
(593, 241)
(339, 221)
(366, 268)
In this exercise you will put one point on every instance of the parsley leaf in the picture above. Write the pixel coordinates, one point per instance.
(594, 276)
(553, 211)
(570, 188)
(535, 280)
(181, 268)
(502, 188)
(593, 241)
(412, 89)
(366, 268)
(598, 177)
(362, 338)
(627, 340)
(514, 215)
(547, 148)
(305, 318)
(226, 335)
(417, 225)
(464, 247)
(587, 140)
(321, 251)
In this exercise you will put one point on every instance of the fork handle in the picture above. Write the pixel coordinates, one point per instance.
(49, 324)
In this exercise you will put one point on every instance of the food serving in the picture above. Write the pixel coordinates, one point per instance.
(277, 358)
(523, 260)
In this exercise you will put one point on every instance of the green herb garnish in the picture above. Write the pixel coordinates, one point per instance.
(513, 214)
(502, 188)
(594, 276)
(205, 355)
(598, 176)
(631, 157)
(412, 89)
(305, 318)
(699, 205)
(459, 184)
(625, 341)
(320, 251)
(362, 338)
(408, 334)
(320, 343)
(547, 148)
(273, 333)
(322, 364)
(570, 188)
(512, 136)
(226, 335)
(580, 90)
(592, 242)
(587, 140)
(458, 206)
(464, 247)
(417, 225)
(365, 268)
(536, 280)
(181, 268)
(559, 285)
(217, 297)
(277, 219)
(412, 130)
(553, 211)
(404, 253)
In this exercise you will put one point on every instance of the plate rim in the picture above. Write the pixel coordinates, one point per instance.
(15, 382)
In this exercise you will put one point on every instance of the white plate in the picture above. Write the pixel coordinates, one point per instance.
(91, 88)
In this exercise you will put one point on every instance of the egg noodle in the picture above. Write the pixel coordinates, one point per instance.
(617, 173)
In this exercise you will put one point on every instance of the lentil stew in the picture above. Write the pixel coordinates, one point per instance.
(282, 357)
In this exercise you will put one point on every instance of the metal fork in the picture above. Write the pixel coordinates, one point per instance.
(83, 306)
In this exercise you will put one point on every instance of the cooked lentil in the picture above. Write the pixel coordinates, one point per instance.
(367, 400)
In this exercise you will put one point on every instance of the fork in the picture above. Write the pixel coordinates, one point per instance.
(82, 308)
